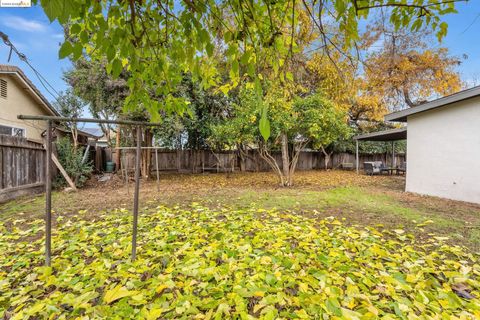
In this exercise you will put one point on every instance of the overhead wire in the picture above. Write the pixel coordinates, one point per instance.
(43, 81)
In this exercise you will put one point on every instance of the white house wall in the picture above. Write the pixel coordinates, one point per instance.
(443, 152)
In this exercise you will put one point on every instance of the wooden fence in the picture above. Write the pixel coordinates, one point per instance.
(22, 163)
(207, 161)
(22, 167)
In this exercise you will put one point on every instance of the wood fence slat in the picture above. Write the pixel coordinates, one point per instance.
(205, 160)
(21, 163)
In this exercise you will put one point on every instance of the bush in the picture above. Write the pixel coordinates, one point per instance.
(71, 160)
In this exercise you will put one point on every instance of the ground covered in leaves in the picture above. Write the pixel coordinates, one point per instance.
(202, 263)
(360, 199)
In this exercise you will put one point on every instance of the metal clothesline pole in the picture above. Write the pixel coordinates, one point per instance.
(137, 189)
(89, 120)
(48, 196)
(156, 167)
(135, 148)
(48, 173)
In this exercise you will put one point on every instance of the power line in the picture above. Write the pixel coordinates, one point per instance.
(43, 81)
(471, 24)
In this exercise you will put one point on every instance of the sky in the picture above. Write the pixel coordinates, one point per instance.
(32, 33)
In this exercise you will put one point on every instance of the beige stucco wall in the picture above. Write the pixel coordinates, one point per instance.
(20, 101)
(443, 152)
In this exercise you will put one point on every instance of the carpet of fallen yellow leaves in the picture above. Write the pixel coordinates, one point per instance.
(201, 263)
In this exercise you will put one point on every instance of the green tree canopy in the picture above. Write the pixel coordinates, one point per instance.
(157, 41)
(312, 121)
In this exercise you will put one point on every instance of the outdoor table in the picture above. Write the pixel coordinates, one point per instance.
(387, 170)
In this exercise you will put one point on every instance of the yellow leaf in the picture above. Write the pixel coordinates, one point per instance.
(154, 314)
(303, 287)
(117, 293)
(259, 294)
(161, 287)
(302, 314)
(411, 278)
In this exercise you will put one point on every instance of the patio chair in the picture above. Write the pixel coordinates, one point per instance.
(370, 168)
(383, 168)
(402, 169)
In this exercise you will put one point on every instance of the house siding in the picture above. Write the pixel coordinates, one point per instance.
(443, 152)
(20, 101)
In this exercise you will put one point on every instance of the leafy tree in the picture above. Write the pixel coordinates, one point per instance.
(340, 79)
(206, 107)
(238, 129)
(104, 94)
(313, 121)
(326, 124)
(70, 105)
(407, 71)
(159, 40)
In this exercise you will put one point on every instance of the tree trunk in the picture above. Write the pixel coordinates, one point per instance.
(242, 157)
(147, 154)
(297, 149)
(74, 135)
(265, 155)
(285, 161)
(242, 162)
(327, 157)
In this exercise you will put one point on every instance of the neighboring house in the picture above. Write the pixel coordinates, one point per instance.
(18, 95)
(101, 140)
(443, 146)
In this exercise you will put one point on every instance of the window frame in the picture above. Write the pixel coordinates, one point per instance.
(12, 130)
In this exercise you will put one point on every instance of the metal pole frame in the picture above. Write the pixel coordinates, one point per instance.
(137, 189)
(48, 196)
(48, 173)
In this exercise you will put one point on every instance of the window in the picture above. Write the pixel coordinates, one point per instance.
(3, 88)
(11, 131)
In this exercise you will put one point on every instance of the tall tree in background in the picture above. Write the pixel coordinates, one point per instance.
(70, 105)
(104, 94)
(340, 80)
(407, 70)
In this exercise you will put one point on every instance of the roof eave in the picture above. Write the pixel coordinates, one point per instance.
(401, 116)
(388, 135)
(35, 92)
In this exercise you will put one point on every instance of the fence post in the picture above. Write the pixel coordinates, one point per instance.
(356, 155)
(156, 167)
(393, 154)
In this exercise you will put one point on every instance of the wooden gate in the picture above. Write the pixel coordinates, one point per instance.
(22, 167)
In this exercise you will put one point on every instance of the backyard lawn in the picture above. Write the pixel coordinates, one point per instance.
(355, 199)
(337, 245)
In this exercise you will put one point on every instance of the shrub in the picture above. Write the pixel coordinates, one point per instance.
(71, 160)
